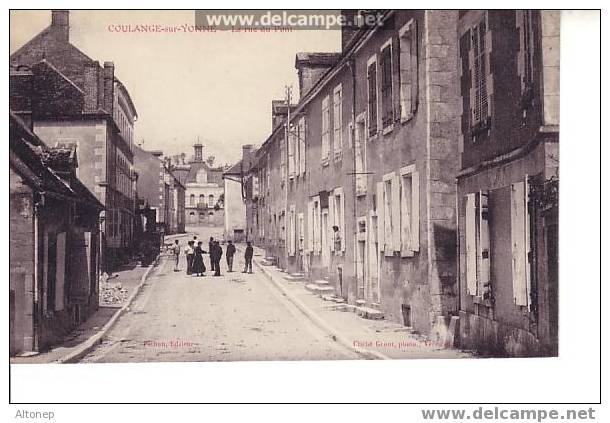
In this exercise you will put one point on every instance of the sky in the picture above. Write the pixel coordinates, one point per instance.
(215, 86)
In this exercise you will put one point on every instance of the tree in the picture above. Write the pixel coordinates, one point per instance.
(210, 160)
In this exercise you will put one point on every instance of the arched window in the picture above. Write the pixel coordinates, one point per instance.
(192, 199)
(211, 200)
(201, 199)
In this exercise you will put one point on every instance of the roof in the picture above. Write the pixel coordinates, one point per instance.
(316, 59)
(236, 169)
(45, 169)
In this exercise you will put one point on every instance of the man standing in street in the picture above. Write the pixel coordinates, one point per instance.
(176, 251)
(218, 256)
(248, 257)
(230, 254)
(211, 249)
(190, 254)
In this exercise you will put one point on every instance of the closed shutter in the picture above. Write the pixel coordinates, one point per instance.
(60, 271)
(405, 218)
(292, 230)
(483, 250)
(415, 211)
(302, 137)
(395, 228)
(518, 243)
(310, 226)
(471, 245)
(342, 227)
(414, 68)
(331, 221)
(380, 216)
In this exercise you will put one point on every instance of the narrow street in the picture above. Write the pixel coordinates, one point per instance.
(234, 317)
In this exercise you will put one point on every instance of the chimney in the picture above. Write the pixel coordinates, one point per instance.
(91, 84)
(157, 153)
(60, 24)
(311, 67)
(247, 155)
(109, 87)
(279, 111)
(348, 31)
(198, 153)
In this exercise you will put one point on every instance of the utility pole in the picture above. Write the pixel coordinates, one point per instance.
(288, 91)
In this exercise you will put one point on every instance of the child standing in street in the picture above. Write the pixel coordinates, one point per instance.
(176, 251)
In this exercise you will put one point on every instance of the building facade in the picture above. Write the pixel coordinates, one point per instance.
(507, 186)
(160, 189)
(71, 100)
(204, 191)
(54, 249)
(359, 188)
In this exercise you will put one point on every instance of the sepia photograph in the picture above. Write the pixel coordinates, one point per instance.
(199, 186)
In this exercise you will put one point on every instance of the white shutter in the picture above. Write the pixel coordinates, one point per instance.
(518, 243)
(342, 226)
(310, 225)
(331, 220)
(415, 211)
(380, 216)
(395, 228)
(292, 230)
(302, 144)
(60, 271)
(405, 218)
(471, 245)
(483, 247)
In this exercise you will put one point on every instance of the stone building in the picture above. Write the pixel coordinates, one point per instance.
(71, 100)
(204, 191)
(357, 188)
(160, 189)
(507, 185)
(54, 249)
(235, 183)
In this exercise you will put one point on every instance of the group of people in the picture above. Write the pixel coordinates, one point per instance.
(194, 257)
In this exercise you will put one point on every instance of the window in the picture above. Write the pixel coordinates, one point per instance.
(520, 242)
(477, 243)
(388, 211)
(525, 58)
(291, 151)
(282, 160)
(360, 153)
(479, 105)
(371, 76)
(316, 218)
(408, 62)
(201, 199)
(192, 200)
(385, 65)
(409, 211)
(337, 206)
(211, 200)
(301, 232)
(291, 232)
(325, 129)
(337, 118)
(302, 136)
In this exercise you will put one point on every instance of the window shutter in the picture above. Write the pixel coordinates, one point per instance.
(342, 227)
(380, 216)
(302, 136)
(483, 251)
(292, 230)
(415, 211)
(414, 68)
(471, 245)
(310, 226)
(331, 220)
(518, 243)
(395, 228)
(60, 271)
(405, 218)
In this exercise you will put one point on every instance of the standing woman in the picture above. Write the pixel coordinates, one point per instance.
(198, 266)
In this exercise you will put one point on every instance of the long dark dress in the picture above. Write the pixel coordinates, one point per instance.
(198, 266)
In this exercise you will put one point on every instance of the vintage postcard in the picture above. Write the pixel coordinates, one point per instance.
(211, 185)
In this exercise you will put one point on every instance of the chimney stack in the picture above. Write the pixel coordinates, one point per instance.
(311, 67)
(91, 84)
(279, 112)
(60, 24)
(349, 31)
(109, 87)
